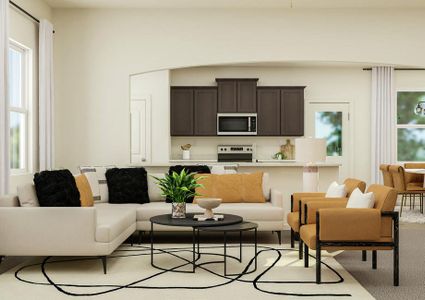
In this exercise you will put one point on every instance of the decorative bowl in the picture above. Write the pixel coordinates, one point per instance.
(208, 204)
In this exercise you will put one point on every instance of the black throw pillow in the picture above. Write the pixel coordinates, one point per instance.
(127, 185)
(201, 169)
(56, 188)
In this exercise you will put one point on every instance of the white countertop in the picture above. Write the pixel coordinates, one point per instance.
(260, 163)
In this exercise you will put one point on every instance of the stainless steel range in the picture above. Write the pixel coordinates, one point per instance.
(235, 153)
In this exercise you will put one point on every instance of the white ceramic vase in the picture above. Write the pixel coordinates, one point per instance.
(186, 154)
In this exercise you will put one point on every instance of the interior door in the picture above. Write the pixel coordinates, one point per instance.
(331, 120)
(140, 118)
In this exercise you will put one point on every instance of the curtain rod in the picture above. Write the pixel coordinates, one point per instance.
(25, 12)
(400, 69)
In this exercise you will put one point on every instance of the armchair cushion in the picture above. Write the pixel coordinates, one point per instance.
(296, 197)
(359, 200)
(336, 190)
(349, 224)
(314, 204)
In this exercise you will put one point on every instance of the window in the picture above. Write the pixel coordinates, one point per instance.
(329, 126)
(19, 107)
(411, 126)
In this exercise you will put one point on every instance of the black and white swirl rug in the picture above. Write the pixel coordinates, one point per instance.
(130, 276)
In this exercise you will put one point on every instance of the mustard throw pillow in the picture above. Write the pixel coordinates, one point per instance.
(253, 188)
(232, 188)
(86, 195)
(206, 191)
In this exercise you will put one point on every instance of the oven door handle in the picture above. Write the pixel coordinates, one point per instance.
(249, 124)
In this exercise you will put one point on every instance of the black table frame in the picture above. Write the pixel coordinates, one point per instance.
(195, 240)
(217, 229)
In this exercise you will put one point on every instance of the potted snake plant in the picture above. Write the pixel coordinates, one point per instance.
(178, 187)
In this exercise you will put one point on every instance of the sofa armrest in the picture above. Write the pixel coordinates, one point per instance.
(349, 224)
(276, 198)
(296, 197)
(309, 216)
(45, 230)
(9, 201)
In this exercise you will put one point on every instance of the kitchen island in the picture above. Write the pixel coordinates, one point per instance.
(285, 176)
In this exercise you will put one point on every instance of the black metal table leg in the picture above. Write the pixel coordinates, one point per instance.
(193, 249)
(240, 246)
(151, 237)
(197, 238)
(255, 248)
(225, 253)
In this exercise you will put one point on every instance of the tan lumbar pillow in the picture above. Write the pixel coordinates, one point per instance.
(232, 188)
(86, 194)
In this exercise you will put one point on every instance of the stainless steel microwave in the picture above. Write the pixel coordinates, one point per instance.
(236, 124)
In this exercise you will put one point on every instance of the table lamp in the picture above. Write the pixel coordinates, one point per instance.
(311, 152)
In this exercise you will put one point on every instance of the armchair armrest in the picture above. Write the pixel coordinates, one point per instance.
(309, 206)
(296, 197)
(349, 224)
(276, 198)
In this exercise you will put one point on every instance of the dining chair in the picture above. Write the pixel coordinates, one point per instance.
(386, 175)
(405, 189)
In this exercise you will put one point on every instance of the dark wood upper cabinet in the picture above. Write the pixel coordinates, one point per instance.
(237, 95)
(227, 93)
(247, 96)
(182, 113)
(205, 111)
(268, 111)
(292, 111)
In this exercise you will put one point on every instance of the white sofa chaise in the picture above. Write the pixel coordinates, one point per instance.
(99, 230)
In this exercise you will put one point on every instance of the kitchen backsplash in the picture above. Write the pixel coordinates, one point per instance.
(205, 148)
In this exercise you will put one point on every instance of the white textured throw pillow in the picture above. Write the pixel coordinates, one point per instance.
(27, 195)
(359, 200)
(336, 190)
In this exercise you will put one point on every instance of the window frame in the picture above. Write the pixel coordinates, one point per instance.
(26, 105)
(404, 126)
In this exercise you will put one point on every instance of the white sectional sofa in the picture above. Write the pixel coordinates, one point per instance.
(99, 230)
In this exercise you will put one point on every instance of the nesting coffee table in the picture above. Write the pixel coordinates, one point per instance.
(230, 223)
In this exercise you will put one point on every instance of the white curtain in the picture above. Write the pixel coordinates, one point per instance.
(383, 120)
(46, 95)
(4, 101)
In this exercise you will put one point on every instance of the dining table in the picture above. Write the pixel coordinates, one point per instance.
(417, 171)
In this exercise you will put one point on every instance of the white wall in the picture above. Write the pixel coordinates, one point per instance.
(97, 49)
(25, 31)
(157, 86)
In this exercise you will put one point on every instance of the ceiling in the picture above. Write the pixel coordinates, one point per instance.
(236, 3)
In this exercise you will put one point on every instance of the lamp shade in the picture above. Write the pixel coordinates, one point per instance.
(310, 150)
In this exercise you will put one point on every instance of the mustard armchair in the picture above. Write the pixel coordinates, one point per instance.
(298, 200)
(341, 228)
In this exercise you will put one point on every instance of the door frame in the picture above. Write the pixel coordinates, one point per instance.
(351, 119)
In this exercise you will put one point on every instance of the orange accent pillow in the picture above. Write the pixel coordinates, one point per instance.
(86, 195)
(232, 188)
(253, 188)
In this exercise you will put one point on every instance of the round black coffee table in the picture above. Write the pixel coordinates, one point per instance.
(189, 222)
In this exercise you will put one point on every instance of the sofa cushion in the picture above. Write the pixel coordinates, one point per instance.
(127, 185)
(154, 191)
(97, 180)
(112, 220)
(27, 195)
(86, 195)
(56, 188)
(199, 169)
(248, 211)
